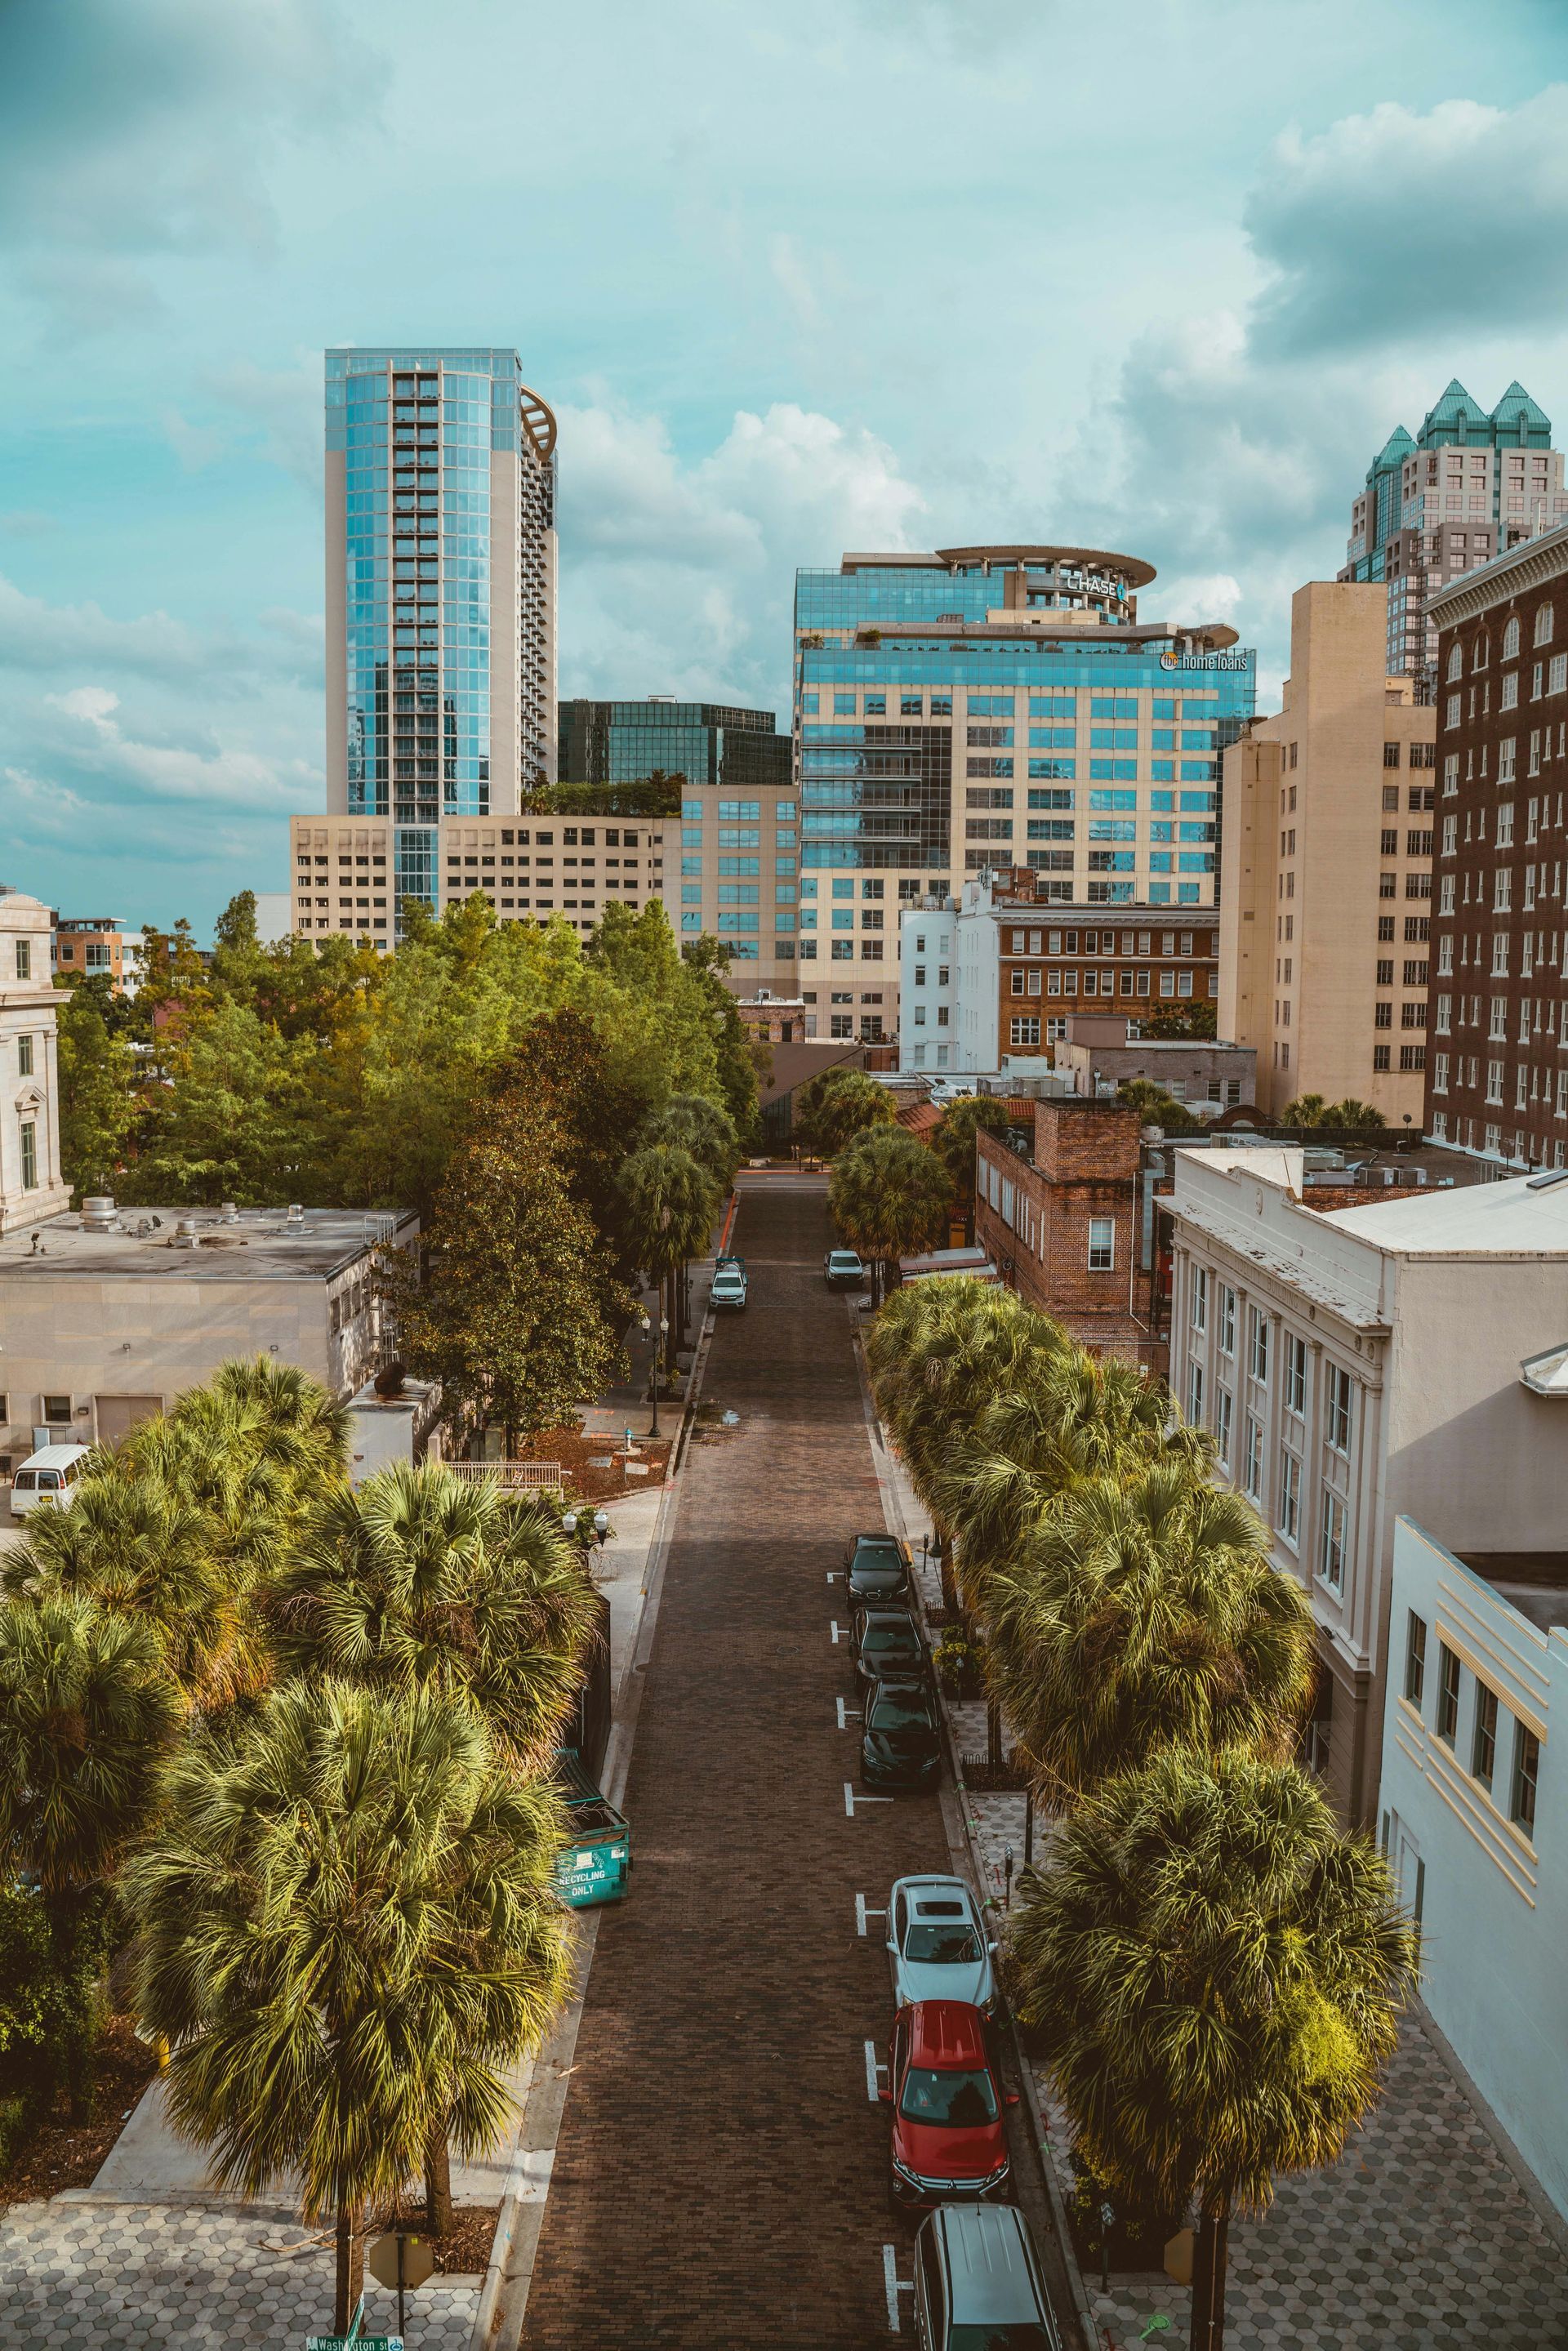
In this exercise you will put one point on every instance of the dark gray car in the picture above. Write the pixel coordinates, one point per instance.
(884, 1642)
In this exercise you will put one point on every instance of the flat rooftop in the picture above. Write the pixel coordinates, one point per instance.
(255, 1245)
(1534, 1581)
(1521, 1217)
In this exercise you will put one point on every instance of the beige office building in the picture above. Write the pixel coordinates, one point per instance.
(1326, 868)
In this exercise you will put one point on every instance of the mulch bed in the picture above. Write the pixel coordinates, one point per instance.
(465, 2251)
(69, 2154)
(575, 1448)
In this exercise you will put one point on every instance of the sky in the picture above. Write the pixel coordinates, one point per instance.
(869, 273)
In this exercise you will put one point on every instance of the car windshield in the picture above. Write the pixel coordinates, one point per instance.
(892, 1633)
(1000, 2334)
(942, 1946)
(907, 1712)
(871, 1553)
(964, 2100)
(845, 1258)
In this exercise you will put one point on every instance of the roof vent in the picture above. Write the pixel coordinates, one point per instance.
(295, 1214)
(97, 1215)
(187, 1234)
(228, 1214)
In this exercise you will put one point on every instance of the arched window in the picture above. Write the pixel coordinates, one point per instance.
(1456, 662)
(1510, 641)
(1545, 623)
(1482, 653)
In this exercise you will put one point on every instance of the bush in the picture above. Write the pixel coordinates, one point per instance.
(49, 2021)
(959, 1664)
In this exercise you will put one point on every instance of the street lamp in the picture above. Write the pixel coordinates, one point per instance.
(658, 1358)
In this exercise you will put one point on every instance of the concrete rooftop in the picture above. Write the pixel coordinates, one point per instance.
(258, 1244)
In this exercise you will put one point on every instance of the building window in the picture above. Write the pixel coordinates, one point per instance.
(1199, 1316)
(1330, 1562)
(1447, 1694)
(1526, 1773)
(1339, 1412)
(1252, 1459)
(1289, 1497)
(1024, 1028)
(1226, 1320)
(1222, 1426)
(1194, 1395)
(23, 958)
(1102, 1235)
(1259, 1348)
(1483, 1743)
(29, 1155)
(1415, 1658)
(1295, 1375)
(24, 1057)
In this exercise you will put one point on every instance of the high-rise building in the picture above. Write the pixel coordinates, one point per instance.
(740, 837)
(984, 707)
(1498, 1074)
(1468, 486)
(1326, 868)
(441, 597)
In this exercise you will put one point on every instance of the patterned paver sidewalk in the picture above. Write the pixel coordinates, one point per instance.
(1420, 2240)
(107, 2277)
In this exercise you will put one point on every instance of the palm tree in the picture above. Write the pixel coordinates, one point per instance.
(1214, 1971)
(838, 1103)
(348, 1933)
(1306, 1110)
(694, 1124)
(421, 1580)
(888, 1195)
(1143, 1615)
(672, 1205)
(86, 1712)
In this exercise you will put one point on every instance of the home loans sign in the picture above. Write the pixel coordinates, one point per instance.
(1204, 661)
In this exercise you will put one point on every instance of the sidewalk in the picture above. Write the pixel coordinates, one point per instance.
(1421, 2237)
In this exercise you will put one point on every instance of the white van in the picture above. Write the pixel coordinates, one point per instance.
(48, 1475)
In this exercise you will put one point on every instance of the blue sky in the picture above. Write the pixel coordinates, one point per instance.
(872, 273)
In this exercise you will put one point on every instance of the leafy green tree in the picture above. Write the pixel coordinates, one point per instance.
(348, 1933)
(1156, 1107)
(839, 1104)
(227, 1125)
(1196, 1017)
(1213, 1972)
(48, 2021)
(954, 1144)
(708, 960)
(510, 1316)
(86, 1712)
(1146, 1615)
(888, 1195)
(1355, 1117)
(672, 1204)
(97, 1094)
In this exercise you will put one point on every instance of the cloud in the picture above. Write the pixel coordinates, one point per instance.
(678, 574)
(35, 637)
(196, 445)
(281, 407)
(128, 136)
(1399, 224)
(175, 771)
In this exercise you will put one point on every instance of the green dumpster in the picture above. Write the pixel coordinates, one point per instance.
(597, 1859)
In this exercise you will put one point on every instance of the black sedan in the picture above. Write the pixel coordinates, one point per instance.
(885, 1641)
(876, 1567)
(901, 1746)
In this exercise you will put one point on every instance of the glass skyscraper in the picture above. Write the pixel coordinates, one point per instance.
(989, 707)
(440, 590)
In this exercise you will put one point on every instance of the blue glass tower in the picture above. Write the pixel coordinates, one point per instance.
(440, 590)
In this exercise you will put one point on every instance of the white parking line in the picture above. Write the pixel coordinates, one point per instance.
(863, 1913)
(851, 1800)
(893, 2286)
(847, 1714)
(873, 2068)
(839, 1633)
(833, 1575)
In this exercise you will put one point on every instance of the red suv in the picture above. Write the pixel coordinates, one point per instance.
(948, 2136)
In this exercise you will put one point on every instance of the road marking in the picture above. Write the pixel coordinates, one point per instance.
(839, 1633)
(833, 1575)
(851, 1800)
(873, 2067)
(847, 1714)
(893, 2286)
(863, 1913)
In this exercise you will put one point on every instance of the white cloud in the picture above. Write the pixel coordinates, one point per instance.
(172, 772)
(36, 636)
(282, 408)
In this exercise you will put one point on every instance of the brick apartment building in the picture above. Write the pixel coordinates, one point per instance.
(1498, 1068)
(1058, 1221)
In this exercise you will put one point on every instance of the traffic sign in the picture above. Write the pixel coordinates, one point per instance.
(381, 2260)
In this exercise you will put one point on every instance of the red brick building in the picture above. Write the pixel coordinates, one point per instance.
(1497, 1065)
(1060, 1222)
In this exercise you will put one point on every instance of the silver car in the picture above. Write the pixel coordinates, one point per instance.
(937, 1944)
(978, 2280)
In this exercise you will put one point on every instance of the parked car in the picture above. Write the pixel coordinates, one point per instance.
(728, 1285)
(47, 1476)
(949, 2137)
(978, 2280)
(901, 1743)
(876, 1567)
(885, 1640)
(937, 1944)
(841, 1270)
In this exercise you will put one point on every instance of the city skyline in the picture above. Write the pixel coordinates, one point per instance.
(160, 462)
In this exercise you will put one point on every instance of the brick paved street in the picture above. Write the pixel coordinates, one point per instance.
(720, 2176)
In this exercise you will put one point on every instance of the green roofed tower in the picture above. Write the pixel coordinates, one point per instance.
(1469, 485)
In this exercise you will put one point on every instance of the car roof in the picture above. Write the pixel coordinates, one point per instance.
(57, 1457)
(990, 2262)
(883, 1541)
(845, 1252)
(900, 1684)
(874, 1611)
(946, 2034)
